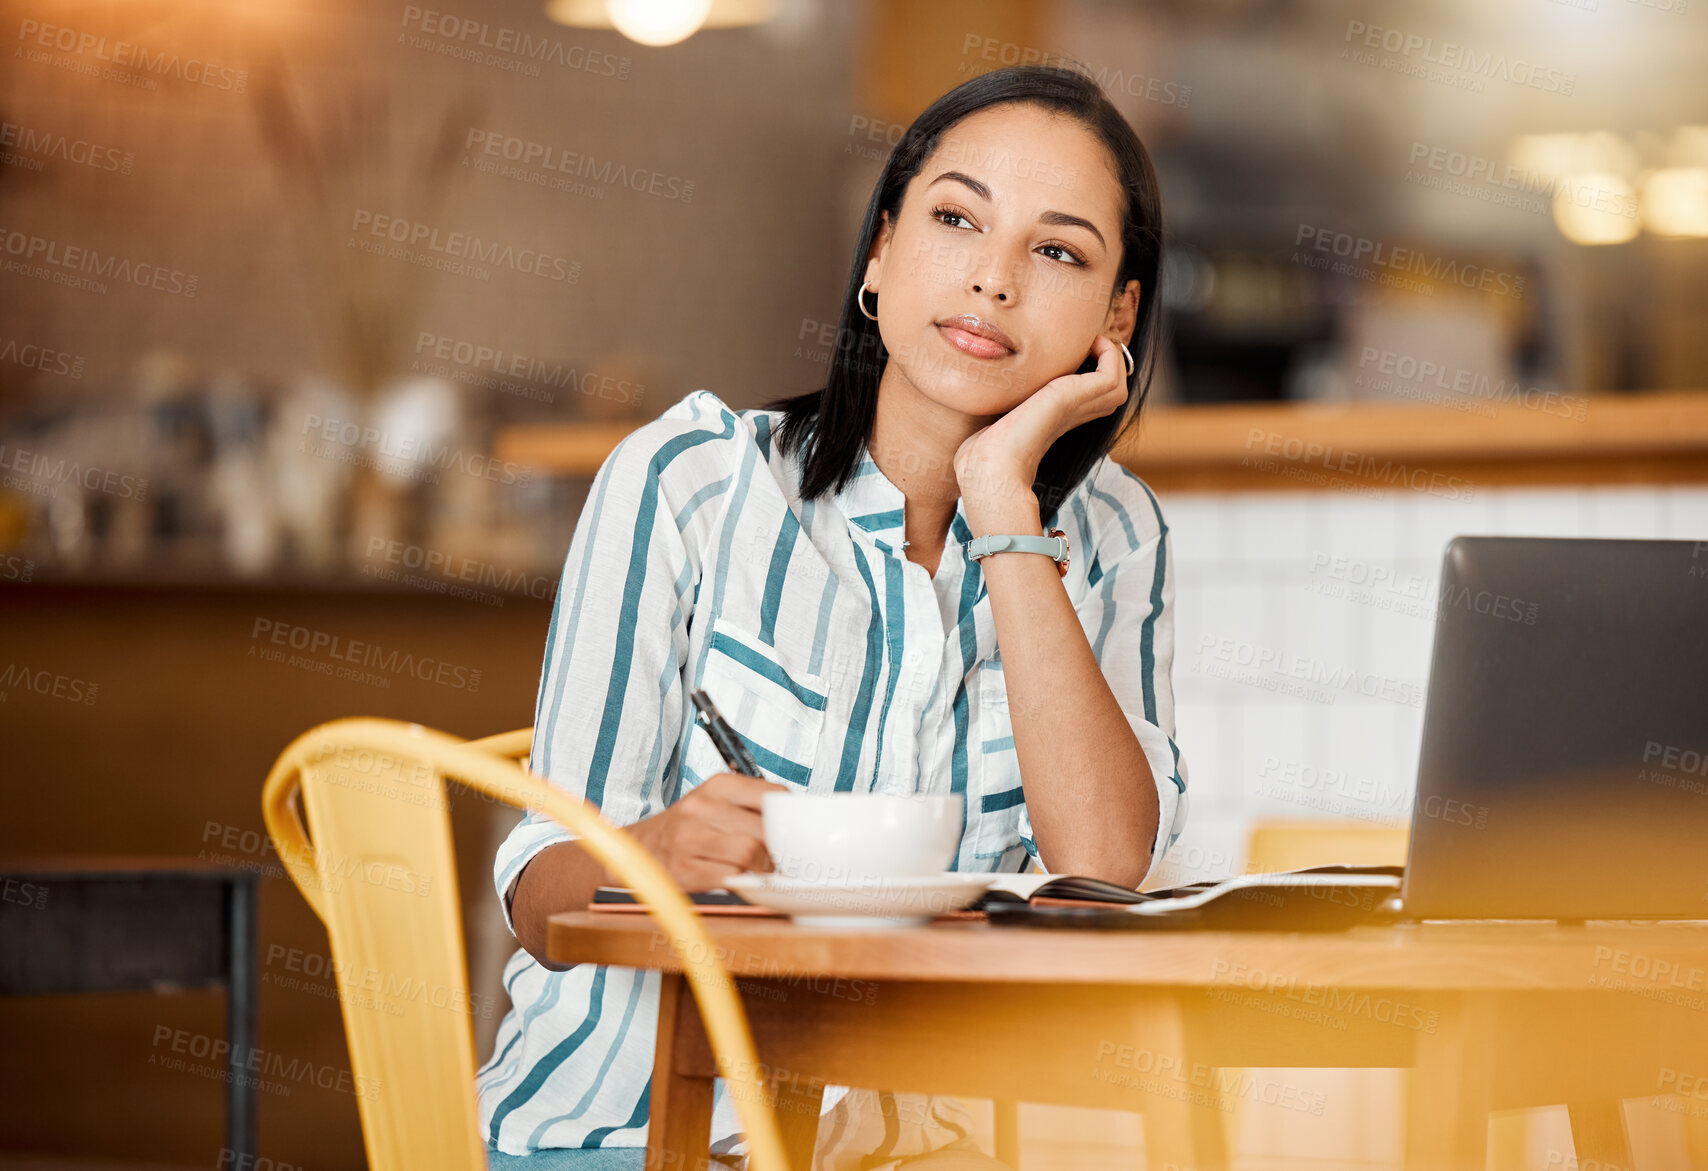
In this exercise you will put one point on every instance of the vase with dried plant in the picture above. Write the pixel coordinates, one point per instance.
(350, 150)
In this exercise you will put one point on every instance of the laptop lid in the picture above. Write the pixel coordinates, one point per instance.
(1564, 767)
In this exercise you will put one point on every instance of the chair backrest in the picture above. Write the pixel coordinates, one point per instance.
(1294, 845)
(375, 863)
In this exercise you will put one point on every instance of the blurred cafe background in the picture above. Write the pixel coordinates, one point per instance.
(318, 316)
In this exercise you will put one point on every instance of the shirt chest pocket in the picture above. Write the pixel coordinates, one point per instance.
(996, 800)
(774, 704)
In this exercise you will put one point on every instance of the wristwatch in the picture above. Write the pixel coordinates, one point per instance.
(1054, 546)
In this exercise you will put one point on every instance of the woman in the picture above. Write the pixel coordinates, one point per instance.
(806, 564)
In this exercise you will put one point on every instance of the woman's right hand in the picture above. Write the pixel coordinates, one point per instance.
(712, 832)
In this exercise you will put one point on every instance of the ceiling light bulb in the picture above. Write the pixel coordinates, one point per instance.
(1596, 207)
(658, 22)
(1675, 201)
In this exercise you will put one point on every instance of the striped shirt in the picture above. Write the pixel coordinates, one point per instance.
(843, 665)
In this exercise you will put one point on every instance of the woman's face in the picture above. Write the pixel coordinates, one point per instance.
(1011, 226)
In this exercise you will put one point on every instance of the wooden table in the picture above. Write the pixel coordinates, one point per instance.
(1489, 1016)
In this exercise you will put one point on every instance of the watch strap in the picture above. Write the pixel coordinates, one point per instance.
(1054, 546)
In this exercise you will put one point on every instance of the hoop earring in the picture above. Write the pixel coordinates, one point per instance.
(1128, 354)
(861, 297)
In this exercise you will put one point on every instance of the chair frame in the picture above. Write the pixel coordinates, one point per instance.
(493, 766)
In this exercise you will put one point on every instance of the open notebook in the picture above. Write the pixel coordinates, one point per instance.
(1320, 898)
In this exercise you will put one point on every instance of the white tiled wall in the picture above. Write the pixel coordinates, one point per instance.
(1256, 577)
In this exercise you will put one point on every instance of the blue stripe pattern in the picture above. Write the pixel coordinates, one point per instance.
(748, 657)
(846, 667)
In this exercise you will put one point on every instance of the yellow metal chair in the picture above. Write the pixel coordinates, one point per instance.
(375, 863)
(1276, 846)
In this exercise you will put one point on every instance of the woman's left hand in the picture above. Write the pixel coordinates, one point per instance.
(1001, 459)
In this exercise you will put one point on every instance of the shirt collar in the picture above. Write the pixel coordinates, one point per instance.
(876, 506)
(872, 503)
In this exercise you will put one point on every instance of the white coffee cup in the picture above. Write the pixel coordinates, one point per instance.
(852, 838)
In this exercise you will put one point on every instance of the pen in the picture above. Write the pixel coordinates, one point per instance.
(729, 744)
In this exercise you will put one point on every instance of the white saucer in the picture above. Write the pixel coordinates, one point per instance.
(878, 902)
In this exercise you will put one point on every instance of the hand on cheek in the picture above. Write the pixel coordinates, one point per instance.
(1008, 451)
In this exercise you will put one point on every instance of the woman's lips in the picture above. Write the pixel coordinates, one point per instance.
(973, 344)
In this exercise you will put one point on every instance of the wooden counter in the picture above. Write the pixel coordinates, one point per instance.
(1653, 438)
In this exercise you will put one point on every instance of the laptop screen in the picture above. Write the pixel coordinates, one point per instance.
(1564, 765)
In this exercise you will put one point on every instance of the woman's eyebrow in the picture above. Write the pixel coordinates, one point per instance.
(1063, 219)
(1055, 218)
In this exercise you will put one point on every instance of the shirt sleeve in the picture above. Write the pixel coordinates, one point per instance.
(610, 706)
(1128, 614)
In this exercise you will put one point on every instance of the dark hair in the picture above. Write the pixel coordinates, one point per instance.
(833, 424)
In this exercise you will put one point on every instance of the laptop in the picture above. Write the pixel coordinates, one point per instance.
(1564, 765)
